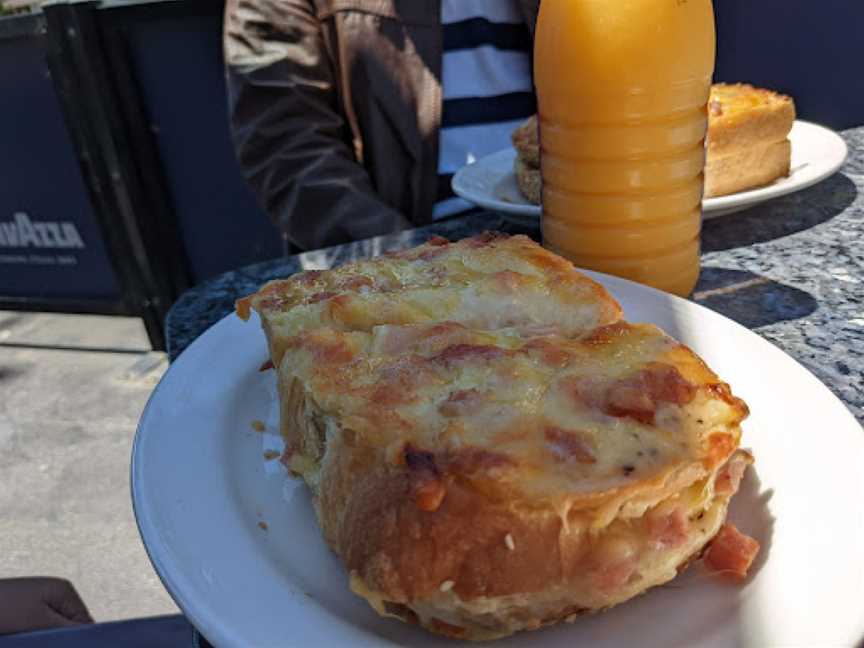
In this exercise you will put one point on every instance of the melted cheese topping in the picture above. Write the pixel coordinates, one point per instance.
(736, 99)
(590, 421)
(507, 367)
(731, 106)
(486, 282)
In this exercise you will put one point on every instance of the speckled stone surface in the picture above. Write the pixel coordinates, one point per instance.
(791, 269)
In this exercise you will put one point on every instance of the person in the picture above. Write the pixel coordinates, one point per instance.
(39, 603)
(349, 117)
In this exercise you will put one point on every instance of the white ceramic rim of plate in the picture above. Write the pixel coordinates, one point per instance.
(794, 184)
(177, 583)
(461, 182)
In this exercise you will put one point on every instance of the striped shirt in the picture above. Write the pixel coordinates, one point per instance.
(487, 88)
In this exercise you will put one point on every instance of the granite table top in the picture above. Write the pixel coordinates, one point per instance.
(791, 269)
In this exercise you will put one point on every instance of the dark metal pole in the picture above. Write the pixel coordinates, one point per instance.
(77, 62)
(157, 219)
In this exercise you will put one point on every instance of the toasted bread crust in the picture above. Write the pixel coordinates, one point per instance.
(529, 180)
(749, 168)
(526, 142)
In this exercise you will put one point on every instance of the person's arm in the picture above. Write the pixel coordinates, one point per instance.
(291, 140)
(28, 604)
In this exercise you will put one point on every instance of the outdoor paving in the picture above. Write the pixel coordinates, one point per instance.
(71, 390)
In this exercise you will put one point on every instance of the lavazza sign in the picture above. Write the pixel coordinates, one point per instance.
(21, 232)
(21, 235)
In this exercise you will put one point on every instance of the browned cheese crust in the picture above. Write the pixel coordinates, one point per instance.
(741, 116)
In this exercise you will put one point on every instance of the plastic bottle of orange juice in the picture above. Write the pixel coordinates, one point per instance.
(622, 88)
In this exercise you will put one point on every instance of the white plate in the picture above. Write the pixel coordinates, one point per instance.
(200, 486)
(817, 152)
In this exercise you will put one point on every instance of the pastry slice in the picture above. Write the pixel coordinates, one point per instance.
(747, 138)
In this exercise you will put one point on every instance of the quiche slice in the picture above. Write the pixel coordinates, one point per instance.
(747, 141)
(509, 470)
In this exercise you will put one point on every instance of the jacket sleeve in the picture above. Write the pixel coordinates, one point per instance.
(291, 139)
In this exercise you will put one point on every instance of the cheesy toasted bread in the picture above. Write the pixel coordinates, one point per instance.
(489, 281)
(747, 138)
(485, 471)
(741, 116)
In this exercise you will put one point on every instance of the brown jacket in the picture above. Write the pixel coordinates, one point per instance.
(335, 109)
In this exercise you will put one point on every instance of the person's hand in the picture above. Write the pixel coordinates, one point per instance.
(39, 604)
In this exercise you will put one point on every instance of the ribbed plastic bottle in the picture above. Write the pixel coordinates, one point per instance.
(622, 91)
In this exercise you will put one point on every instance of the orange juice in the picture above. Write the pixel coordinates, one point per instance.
(622, 89)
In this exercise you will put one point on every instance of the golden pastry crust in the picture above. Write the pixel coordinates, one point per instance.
(747, 138)
(493, 474)
(741, 116)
